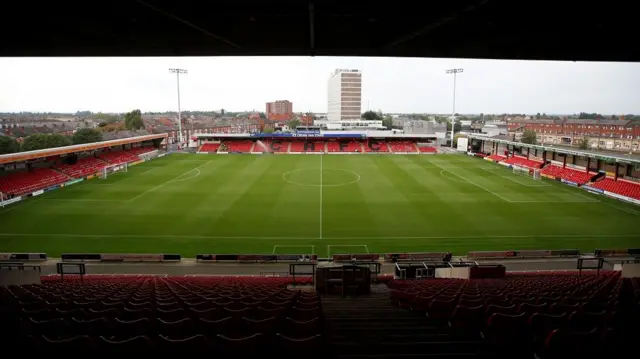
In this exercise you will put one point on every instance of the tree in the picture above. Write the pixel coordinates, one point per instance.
(387, 121)
(529, 136)
(108, 118)
(86, 135)
(583, 143)
(8, 145)
(268, 130)
(41, 141)
(371, 116)
(457, 127)
(455, 139)
(293, 124)
(133, 120)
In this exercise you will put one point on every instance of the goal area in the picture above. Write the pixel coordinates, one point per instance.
(533, 172)
(111, 169)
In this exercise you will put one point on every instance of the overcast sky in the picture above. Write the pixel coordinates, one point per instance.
(246, 83)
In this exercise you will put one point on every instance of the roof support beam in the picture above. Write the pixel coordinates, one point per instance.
(312, 29)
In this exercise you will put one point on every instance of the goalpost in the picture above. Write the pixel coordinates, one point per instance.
(533, 172)
(111, 169)
(536, 174)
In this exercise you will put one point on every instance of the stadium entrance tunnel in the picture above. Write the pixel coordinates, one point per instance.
(327, 177)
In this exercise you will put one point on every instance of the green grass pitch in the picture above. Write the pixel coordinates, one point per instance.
(327, 204)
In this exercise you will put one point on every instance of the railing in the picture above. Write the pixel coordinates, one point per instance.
(20, 266)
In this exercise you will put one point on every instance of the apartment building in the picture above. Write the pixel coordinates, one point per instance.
(281, 110)
(617, 135)
(345, 95)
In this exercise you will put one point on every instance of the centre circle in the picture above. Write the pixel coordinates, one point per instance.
(329, 177)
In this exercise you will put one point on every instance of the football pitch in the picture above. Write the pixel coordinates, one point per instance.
(324, 204)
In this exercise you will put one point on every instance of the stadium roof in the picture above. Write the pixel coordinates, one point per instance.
(30, 155)
(623, 158)
(502, 29)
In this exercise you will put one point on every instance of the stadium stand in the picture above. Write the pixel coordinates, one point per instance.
(302, 145)
(118, 157)
(137, 151)
(307, 146)
(280, 146)
(318, 146)
(579, 177)
(521, 161)
(518, 316)
(84, 167)
(226, 315)
(403, 146)
(241, 146)
(497, 158)
(297, 146)
(620, 187)
(18, 183)
(376, 146)
(561, 314)
(333, 146)
(427, 149)
(209, 147)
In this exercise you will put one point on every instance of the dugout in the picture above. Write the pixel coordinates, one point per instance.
(344, 279)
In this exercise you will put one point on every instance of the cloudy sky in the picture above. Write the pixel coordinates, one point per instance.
(246, 83)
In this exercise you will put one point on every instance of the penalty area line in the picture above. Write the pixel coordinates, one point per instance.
(167, 182)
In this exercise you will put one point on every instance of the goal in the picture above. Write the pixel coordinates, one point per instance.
(533, 172)
(111, 169)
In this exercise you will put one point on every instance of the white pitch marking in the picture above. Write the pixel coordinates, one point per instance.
(167, 182)
(321, 156)
(83, 200)
(473, 183)
(275, 247)
(345, 245)
(524, 184)
(286, 174)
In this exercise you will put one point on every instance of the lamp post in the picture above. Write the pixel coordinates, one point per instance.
(178, 72)
(455, 72)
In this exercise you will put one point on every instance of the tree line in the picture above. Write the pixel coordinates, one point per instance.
(41, 141)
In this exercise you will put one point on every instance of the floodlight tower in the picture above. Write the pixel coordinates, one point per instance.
(178, 72)
(455, 72)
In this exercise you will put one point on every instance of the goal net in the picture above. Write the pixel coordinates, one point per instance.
(111, 169)
(149, 155)
(536, 174)
(533, 172)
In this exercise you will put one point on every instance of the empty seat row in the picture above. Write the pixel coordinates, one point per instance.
(569, 174)
(26, 182)
(621, 187)
(258, 343)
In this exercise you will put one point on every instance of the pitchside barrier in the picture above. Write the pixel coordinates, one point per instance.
(23, 257)
(560, 253)
(118, 257)
(355, 257)
(629, 252)
(417, 257)
(256, 258)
